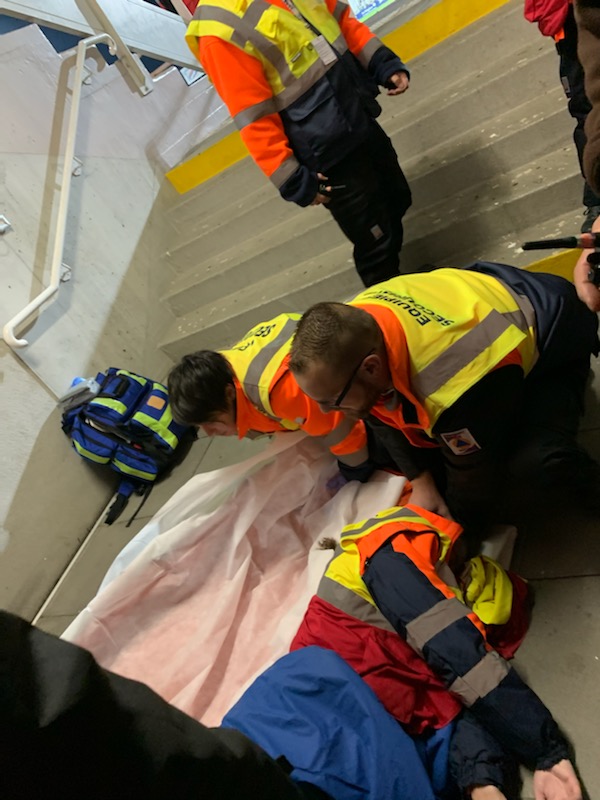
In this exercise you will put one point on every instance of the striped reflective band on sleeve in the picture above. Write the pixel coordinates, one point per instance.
(339, 9)
(368, 51)
(339, 433)
(435, 620)
(398, 513)
(252, 113)
(285, 171)
(245, 31)
(260, 362)
(483, 678)
(462, 352)
(352, 604)
(527, 311)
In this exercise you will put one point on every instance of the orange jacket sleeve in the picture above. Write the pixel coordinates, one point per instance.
(347, 441)
(241, 83)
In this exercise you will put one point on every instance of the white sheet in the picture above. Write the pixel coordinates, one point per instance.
(212, 590)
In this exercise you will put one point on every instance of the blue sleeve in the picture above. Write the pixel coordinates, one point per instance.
(438, 628)
(383, 64)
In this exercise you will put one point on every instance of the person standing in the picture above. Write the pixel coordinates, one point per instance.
(300, 78)
(556, 18)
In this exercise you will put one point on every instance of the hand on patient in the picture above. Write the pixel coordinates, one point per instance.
(426, 495)
(557, 783)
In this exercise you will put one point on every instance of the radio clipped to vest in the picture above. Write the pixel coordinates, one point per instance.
(127, 425)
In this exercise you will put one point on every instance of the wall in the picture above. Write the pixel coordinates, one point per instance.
(108, 313)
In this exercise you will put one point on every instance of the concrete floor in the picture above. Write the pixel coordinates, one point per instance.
(561, 655)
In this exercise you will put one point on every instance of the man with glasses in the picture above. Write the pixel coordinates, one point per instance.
(479, 368)
(249, 391)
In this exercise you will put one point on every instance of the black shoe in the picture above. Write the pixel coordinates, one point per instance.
(591, 214)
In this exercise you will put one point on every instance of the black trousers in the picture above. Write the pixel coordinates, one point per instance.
(571, 76)
(370, 208)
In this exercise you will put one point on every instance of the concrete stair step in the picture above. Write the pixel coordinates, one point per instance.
(329, 276)
(490, 39)
(508, 41)
(260, 257)
(421, 123)
(240, 222)
(476, 214)
(461, 232)
(485, 212)
(498, 144)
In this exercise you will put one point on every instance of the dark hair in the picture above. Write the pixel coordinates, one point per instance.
(334, 334)
(197, 387)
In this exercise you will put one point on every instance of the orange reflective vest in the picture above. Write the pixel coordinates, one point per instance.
(261, 58)
(268, 399)
(443, 332)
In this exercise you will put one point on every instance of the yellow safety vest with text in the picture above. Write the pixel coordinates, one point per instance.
(283, 42)
(256, 358)
(458, 324)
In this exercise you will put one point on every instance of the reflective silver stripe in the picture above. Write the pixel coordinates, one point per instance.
(525, 304)
(306, 81)
(260, 362)
(245, 32)
(435, 620)
(339, 9)
(339, 433)
(368, 51)
(252, 16)
(483, 678)
(351, 603)
(252, 113)
(354, 459)
(285, 171)
(399, 513)
(340, 45)
(460, 354)
(445, 573)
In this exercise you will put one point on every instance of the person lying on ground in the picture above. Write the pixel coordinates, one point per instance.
(431, 636)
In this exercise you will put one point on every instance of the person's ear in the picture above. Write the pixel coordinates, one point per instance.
(372, 365)
(230, 393)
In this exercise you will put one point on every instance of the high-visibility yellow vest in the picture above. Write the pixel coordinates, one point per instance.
(459, 324)
(280, 40)
(257, 357)
(486, 588)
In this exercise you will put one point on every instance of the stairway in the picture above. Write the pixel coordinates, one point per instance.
(485, 139)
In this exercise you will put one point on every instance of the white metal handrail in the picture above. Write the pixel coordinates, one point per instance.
(8, 332)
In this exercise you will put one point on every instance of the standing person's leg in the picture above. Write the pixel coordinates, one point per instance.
(365, 211)
(572, 79)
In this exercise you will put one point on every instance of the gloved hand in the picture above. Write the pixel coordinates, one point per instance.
(335, 484)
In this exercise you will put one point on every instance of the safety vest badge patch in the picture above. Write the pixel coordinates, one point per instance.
(461, 442)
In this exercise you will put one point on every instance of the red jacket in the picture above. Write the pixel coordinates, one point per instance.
(550, 15)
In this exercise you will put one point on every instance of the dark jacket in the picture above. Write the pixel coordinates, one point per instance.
(587, 15)
(71, 730)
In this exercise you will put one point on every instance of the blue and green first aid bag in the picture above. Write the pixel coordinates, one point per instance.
(129, 426)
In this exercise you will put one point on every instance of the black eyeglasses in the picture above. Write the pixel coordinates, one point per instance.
(340, 398)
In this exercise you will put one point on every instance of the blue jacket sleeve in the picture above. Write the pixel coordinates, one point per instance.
(383, 64)
(437, 626)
